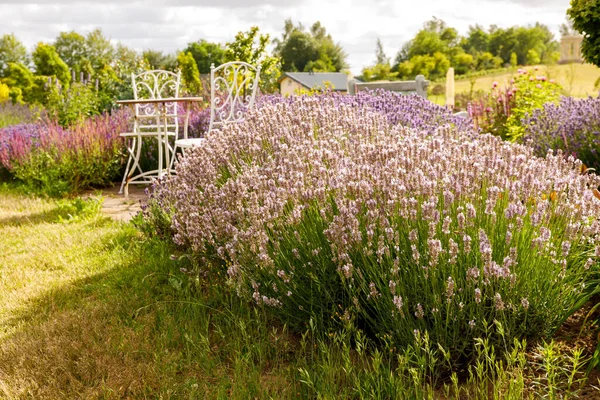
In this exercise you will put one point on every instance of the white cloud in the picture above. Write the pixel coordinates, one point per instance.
(169, 25)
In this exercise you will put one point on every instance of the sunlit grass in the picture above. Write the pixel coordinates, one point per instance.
(577, 80)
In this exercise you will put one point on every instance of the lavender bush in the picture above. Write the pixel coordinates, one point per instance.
(573, 126)
(325, 212)
(406, 110)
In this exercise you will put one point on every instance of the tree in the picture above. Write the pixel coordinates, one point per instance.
(477, 40)
(100, 51)
(379, 72)
(463, 63)
(585, 15)
(206, 53)
(432, 66)
(380, 57)
(567, 29)
(312, 50)
(519, 40)
(382, 70)
(435, 36)
(126, 61)
(158, 60)
(48, 63)
(71, 48)
(11, 51)
(189, 73)
(251, 47)
(24, 85)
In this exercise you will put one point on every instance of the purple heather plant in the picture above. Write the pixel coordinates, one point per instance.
(573, 126)
(323, 211)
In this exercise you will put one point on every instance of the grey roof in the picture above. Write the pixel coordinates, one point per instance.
(315, 80)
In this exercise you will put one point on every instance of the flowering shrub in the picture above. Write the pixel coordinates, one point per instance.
(407, 110)
(325, 212)
(501, 113)
(573, 126)
(54, 160)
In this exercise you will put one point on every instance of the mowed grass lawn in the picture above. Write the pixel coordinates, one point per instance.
(91, 309)
(577, 80)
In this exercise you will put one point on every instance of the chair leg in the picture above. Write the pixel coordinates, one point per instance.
(173, 157)
(127, 173)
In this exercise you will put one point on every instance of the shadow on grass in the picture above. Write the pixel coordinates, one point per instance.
(142, 330)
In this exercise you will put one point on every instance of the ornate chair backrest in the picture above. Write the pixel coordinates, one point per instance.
(156, 84)
(233, 88)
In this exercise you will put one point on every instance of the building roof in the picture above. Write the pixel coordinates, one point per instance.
(316, 80)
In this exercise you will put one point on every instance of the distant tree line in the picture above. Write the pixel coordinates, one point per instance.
(24, 76)
(437, 47)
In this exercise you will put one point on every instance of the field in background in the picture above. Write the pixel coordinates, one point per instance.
(577, 80)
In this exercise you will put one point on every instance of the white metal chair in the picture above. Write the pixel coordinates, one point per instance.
(233, 88)
(151, 120)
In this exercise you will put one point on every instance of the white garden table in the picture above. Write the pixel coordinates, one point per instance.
(162, 134)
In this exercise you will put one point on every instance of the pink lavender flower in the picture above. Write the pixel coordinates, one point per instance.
(498, 303)
(419, 313)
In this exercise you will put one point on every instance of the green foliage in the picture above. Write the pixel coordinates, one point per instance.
(477, 40)
(73, 105)
(24, 85)
(434, 37)
(189, 73)
(532, 58)
(479, 50)
(11, 51)
(306, 51)
(431, 66)
(463, 63)
(382, 70)
(158, 60)
(585, 15)
(48, 63)
(206, 53)
(486, 61)
(103, 290)
(520, 40)
(99, 49)
(513, 59)
(251, 47)
(72, 49)
(501, 113)
(378, 72)
(4, 92)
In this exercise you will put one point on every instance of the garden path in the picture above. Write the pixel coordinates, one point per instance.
(117, 206)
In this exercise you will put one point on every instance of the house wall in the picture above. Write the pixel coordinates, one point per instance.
(288, 86)
(570, 49)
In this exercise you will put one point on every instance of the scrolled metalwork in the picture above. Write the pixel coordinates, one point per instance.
(155, 84)
(233, 90)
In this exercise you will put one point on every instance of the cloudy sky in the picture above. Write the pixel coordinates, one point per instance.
(169, 25)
